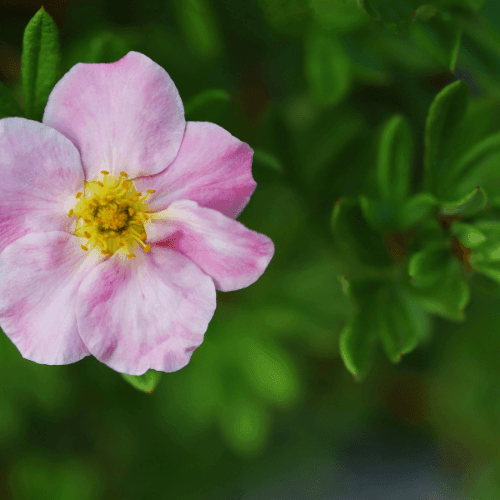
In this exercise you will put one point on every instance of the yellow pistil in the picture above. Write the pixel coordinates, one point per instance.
(111, 215)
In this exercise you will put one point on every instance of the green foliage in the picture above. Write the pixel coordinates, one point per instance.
(40, 63)
(8, 105)
(445, 112)
(416, 209)
(428, 266)
(327, 67)
(146, 382)
(394, 160)
(203, 98)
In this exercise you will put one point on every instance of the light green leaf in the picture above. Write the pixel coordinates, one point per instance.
(455, 50)
(395, 154)
(40, 63)
(381, 215)
(445, 112)
(146, 382)
(8, 105)
(470, 204)
(205, 97)
(468, 234)
(327, 67)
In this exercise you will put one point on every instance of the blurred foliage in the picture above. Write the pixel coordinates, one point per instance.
(375, 128)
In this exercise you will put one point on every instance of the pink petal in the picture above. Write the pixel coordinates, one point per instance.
(234, 256)
(40, 171)
(212, 168)
(39, 277)
(125, 115)
(149, 312)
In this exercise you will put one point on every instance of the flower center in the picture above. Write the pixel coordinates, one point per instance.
(111, 214)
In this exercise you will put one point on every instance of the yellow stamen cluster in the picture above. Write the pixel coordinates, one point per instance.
(111, 215)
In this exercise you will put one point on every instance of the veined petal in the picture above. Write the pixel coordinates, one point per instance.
(40, 174)
(39, 277)
(151, 312)
(125, 115)
(212, 168)
(234, 256)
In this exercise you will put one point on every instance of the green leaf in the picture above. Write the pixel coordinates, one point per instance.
(425, 12)
(455, 50)
(468, 234)
(267, 160)
(359, 335)
(394, 159)
(204, 98)
(40, 63)
(146, 382)
(355, 237)
(488, 251)
(470, 204)
(339, 15)
(445, 112)
(447, 297)
(200, 28)
(417, 208)
(327, 67)
(428, 266)
(476, 162)
(403, 323)
(8, 105)
(395, 15)
(381, 215)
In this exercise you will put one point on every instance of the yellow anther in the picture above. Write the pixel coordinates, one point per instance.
(100, 183)
(125, 233)
(121, 244)
(150, 191)
(147, 248)
(87, 234)
(105, 252)
(125, 185)
(70, 213)
(130, 255)
(130, 211)
(84, 248)
(105, 172)
(77, 195)
(123, 174)
(143, 235)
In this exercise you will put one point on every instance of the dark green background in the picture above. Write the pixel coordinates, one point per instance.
(266, 409)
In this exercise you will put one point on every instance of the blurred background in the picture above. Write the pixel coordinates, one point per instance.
(266, 410)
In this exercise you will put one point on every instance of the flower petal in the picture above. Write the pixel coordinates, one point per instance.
(212, 168)
(234, 256)
(39, 277)
(40, 172)
(151, 312)
(125, 115)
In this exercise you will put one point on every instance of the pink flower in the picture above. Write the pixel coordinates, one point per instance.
(91, 265)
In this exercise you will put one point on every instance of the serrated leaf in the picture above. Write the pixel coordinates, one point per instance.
(356, 237)
(470, 204)
(205, 97)
(8, 105)
(144, 383)
(395, 154)
(40, 63)
(327, 67)
(416, 209)
(445, 112)
(428, 266)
